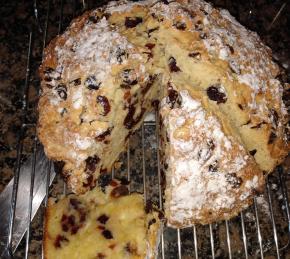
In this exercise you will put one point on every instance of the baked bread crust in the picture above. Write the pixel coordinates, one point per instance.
(209, 174)
(107, 223)
(101, 76)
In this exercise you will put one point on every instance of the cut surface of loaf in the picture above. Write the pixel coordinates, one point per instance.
(114, 64)
(104, 223)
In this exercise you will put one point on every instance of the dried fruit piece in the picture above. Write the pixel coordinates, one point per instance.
(119, 191)
(92, 83)
(74, 203)
(129, 78)
(103, 135)
(253, 152)
(213, 167)
(131, 22)
(172, 65)
(103, 100)
(180, 25)
(172, 97)
(100, 256)
(216, 93)
(103, 181)
(107, 234)
(195, 55)
(103, 219)
(91, 163)
(59, 240)
(62, 91)
(77, 81)
(234, 180)
(132, 249)
(150, 45)
(121, 55)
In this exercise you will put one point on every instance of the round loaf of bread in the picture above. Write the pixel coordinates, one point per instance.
(114, 64)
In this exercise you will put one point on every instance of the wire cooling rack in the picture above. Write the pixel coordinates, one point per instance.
(261, 231)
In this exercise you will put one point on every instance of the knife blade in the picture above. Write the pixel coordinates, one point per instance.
(42, 167)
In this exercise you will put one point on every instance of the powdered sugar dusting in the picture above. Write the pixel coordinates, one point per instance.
(202, 159)
(93, 51)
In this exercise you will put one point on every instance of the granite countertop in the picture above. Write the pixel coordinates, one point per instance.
(17, 18)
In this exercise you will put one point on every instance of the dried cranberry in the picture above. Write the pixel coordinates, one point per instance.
(119, 191)
(91, 163)
(100, 256)
(112, 246)
(60, 239)
(151, 222)
(89, 182)
(71, 220)
(74, 229)
(213, 167)
(130, 248)
(103, 135)
(121, 54)
(231, 48)
(172, 65)
(173, 97)
(129, 78)
(150, 45)
(77, 81)
(58, 166)
(103, 219)
(103, 100)
(107, 234)
(101, 228)
(114, 183)
(180, 25)
(195, 55)
(103, 181)
(241, 107)
(198, 26)
(62, 91)
(74, 203)
(155, 104)
(82, 214)
(272, 137)
(253, 152)
(131, 22)
(94, 19)
(64, 227)
(92, 83)
(234, 180)
(215, 93)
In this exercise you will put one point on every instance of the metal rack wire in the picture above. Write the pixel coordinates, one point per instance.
(197, 242)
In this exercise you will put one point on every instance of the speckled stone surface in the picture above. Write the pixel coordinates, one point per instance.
(18, 17)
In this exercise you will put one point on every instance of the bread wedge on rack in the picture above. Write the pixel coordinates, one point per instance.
(106, 222)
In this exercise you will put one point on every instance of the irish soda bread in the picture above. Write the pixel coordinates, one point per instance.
(114, 64)
(103, 223)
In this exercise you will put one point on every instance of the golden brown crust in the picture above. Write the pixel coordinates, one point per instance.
(100, 77)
